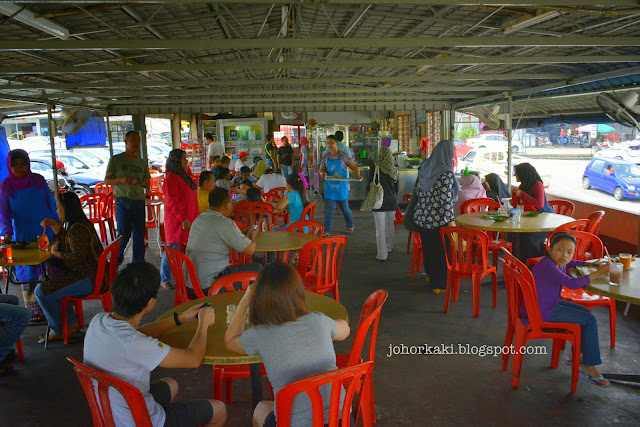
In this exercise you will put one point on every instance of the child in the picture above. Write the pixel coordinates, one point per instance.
(253, 195)
(292, 343)
(294, 199)
(550, 275)
(225, 179)
(207, 182)
(218, 171)
(245, 174)
(241, 191)
(117, 345)
(215, 162)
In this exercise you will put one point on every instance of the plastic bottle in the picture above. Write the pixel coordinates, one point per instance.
(466, 170)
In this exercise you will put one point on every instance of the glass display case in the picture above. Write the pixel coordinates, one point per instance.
(239, 135)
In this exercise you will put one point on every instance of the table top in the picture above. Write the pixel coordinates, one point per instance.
(217, 353)
(629, 289)
(543, 222)
(273, 241)
(30, 255)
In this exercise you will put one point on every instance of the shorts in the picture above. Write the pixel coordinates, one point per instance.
(181, 414)
(270, 421)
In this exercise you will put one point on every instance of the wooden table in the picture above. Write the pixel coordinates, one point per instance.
(276, 241)
(629, 292)
(29, 255)
(216, 352)
(545, 222)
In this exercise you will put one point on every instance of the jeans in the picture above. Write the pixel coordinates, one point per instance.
(286, 170)
(14, 320)
(269, 161)
(434, 258)
(240, 268)
(51, 303)
(384, 233)
(130, 215)
(165, 268)
(329, 208)
(566, 311)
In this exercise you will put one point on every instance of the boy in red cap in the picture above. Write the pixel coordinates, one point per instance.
(242, 161)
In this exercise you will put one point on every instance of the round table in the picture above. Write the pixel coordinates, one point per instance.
(216, 352)
(276, 241)
(628, 291)
(29, 255)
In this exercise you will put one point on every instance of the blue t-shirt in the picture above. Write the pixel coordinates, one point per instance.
(295, 206)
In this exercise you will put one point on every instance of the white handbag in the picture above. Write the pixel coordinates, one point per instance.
(375, 196)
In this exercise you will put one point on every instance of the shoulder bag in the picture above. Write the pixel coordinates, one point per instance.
(375, 196)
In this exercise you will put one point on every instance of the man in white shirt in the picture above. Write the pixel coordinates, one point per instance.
(117, 345)
(215, 148)
(270, 180)
(211, 235)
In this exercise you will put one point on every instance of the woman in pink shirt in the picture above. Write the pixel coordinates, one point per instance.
(180, 207)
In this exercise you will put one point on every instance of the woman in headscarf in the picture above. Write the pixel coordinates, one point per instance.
(531, 193)
(304, 156)
(180, 208)
(384, 216)
(25, 200)
(259, 170)
(437, 190)
(471, 188)
(496, 189)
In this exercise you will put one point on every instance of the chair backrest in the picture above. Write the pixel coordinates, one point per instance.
(101, 410)
(479, 205)
(585, 242)
(275, 194)
(177, 262)
(521, 287)
(307, 226)
(406, 198)
(255, 213)
(322, 258)
(465, 247)
(593, 222)
(228, 281)
(562, 207)
(94, 203)
(108, 210)
(107, 267)
(103, 188)
(577, 225)
(309, 211)
(155, 183)
(353, 379)
(369, 318)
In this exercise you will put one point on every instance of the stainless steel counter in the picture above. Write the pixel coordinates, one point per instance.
(406, 181)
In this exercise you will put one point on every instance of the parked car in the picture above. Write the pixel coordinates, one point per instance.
(78, 161)
(486, 161)
(82, 180)
(44, 168)
(493, 141)
(629, 151)
(618, 177)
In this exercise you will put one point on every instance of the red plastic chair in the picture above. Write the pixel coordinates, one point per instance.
(95, 204)
(109, 215)
(369, 318)
(320, 263)
(588, 246)
(495, 244)
(223, 375)
(521, 287)
(466, 246)
(18, 347)
(353, 379)
(163, 240)
(101, 409)
(577, 225)
(398, 219)
(176, 260)
(255, 213)
(406, 199)
(593, 222)
(417, 255)
(103, 188)
(309, 211)
(156, 183)
(562, 207)
(274, 195)
(107, 265)
(313, 227)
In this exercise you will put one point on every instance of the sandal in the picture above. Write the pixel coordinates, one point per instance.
(349, 230)
(600, 381)
(37, 319)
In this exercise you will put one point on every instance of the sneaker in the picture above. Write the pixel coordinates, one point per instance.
(167, 285)
(349, 230)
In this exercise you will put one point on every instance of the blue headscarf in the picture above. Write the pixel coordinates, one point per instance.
(440, 161)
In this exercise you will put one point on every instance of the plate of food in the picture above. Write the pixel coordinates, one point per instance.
(531, 213)
(498, 218)
(585, 270)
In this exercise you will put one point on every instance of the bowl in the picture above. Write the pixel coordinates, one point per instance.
(500, 218)
(531, 213)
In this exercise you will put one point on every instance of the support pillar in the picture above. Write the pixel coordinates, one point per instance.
(52, 129)
(445, 125)
(176, 131)
(109, 136)
(139, 125)
(508, 127)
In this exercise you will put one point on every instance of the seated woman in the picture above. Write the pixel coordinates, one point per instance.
(79, 248)
(550, 275)
(495, 188)
(292, 343)
(471, 188)
(253, 195)
(294, 200)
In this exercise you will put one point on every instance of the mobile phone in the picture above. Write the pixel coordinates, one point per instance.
(255, 227)
(206, 304)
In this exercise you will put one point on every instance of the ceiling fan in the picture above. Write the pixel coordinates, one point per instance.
(488, 116)
(74, 120)
(623, 109)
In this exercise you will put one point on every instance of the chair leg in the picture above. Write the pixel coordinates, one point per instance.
(626, 309)
(555, 352)
(516, 365)
(106, 301)
(228, 390)
(19, 350)
(336, 293)
(475, 283)
(455, 287)
(46, 336)
(612, 322)
(447, 296)
(409, 241)
(508, 341)
(65, 325)
(218, 373)
(575, 363)
(494, 285)
(77, 304)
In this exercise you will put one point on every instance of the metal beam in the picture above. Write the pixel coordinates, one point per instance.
(310, 43)
(28, 18)
(372, 63)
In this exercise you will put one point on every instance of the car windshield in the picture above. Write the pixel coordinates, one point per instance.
(470, 155)
(92, 161)
(628, 171)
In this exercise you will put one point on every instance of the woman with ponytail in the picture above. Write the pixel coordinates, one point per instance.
(295, 199)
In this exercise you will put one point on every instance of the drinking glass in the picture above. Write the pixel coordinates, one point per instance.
(231, 311)
(615, 273)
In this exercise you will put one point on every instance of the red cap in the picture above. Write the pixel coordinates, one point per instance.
(243, 153)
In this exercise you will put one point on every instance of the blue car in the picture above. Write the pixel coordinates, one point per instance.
(618, 177)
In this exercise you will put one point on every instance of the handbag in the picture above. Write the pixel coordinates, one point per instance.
(375, 195)
(409, 216)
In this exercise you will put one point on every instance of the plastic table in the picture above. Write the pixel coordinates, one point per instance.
(29, 255)
(277, 241)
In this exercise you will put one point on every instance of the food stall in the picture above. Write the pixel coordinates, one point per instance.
(239, 135)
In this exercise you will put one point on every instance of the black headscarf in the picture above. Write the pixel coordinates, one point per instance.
(174, 165)
(528, 176)
(498, 188)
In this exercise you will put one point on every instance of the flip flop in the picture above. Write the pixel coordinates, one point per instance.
(37, 320)
(594, 381)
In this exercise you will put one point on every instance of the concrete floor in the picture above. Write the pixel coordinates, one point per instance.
(411, 390)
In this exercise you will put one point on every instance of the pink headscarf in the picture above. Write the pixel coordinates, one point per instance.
(13, 183)
(471, 188)
(386, 142)
(304, 141)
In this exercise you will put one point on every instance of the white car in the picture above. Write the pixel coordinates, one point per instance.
(493, 141)
(629, 151)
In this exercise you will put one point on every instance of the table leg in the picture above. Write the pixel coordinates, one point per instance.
(623, 377)
(256, 383)
(516, 245)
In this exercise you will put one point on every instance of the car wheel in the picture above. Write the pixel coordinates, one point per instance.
(619, 158)
(82, 190)
(483, 146)
(618, 194)
(586, 183)
(514, 149)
